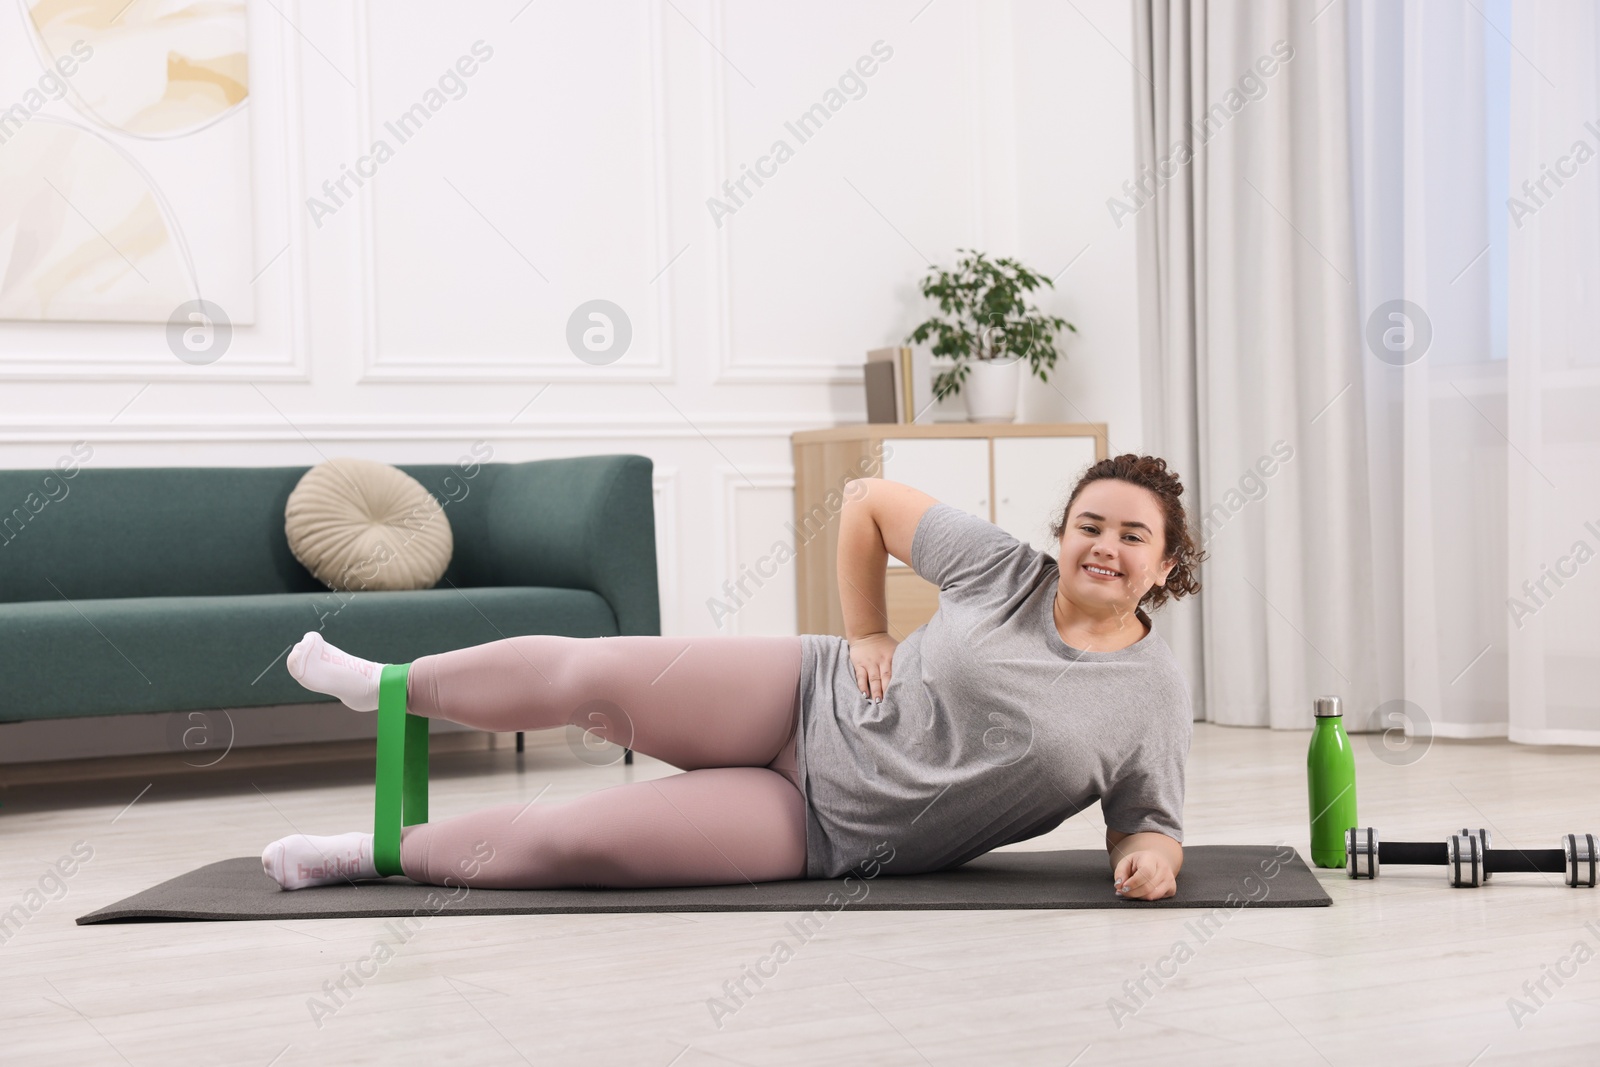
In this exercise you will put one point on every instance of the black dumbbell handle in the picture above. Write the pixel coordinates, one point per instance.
(1412, 852)
(1549, 860)
(1496, 860)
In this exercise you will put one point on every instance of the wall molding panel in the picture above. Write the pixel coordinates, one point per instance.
(733, 368)
(730, 484)
(562, 366)
(664, 490)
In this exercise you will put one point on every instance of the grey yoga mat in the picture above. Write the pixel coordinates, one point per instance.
(1213, 876)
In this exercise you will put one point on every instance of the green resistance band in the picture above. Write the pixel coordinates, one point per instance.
(402, 798)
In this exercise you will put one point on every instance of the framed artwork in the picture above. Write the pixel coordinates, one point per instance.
(124, 160)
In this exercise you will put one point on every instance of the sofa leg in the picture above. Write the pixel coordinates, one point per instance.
(519, 740)
(627, 755)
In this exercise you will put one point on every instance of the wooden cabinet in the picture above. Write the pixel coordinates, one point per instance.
(1015, 476)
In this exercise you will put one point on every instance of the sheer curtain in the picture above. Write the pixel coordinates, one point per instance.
(1478, 304)
(1554, 378)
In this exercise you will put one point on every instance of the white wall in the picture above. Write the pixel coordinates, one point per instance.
(429, 310)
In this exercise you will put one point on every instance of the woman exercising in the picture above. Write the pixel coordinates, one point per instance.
(1037, 688)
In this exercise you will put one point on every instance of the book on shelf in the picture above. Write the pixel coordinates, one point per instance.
(899, 384)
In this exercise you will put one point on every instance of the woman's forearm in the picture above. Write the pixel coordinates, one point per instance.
(863, 563)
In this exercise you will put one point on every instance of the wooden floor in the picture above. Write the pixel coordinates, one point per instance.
(1404, 969)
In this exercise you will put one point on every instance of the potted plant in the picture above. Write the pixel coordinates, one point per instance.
(989, 331)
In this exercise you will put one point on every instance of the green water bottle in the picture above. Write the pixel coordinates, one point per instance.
(1331, 780)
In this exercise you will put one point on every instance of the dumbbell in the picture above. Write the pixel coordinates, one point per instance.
(1469, 861)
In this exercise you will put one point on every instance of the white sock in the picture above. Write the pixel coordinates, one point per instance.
(302, 860)
(322, 668)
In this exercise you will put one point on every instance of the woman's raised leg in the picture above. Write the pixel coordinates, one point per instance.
(693, 702)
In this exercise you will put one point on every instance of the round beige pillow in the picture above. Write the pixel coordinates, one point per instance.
(357, 524)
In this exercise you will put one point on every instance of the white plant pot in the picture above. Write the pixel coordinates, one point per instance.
(991, 389)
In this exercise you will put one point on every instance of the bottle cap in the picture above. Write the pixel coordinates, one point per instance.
(1328, 707)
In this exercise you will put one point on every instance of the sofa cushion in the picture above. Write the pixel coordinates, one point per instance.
(360, 525)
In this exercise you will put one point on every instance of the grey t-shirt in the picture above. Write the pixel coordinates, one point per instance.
(992, 729)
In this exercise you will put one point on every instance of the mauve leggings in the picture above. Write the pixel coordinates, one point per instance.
(725, 709)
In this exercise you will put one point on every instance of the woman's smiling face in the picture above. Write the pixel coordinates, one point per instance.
(1118, 527)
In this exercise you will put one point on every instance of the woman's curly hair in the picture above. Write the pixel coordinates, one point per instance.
(1150, 472)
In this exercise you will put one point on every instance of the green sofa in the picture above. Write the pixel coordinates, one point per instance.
(156, 589)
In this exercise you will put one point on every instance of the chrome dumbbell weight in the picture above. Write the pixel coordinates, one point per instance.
(1361, 851)
(1469, 861)
(1466, 857)
(1483, 842)
(1579, 852)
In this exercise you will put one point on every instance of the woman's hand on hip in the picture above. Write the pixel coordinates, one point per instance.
(873, 658)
